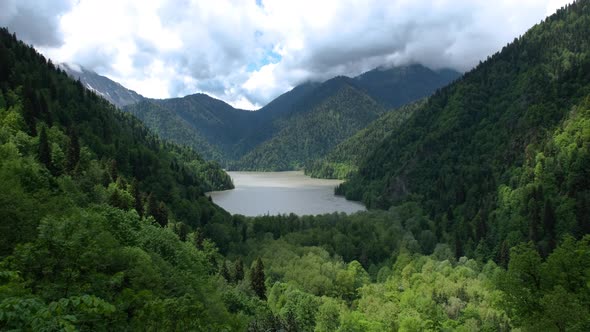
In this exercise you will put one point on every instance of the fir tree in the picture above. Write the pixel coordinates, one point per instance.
(239, 270)
(73, 156)
(138, 202)
(45, 150)
(258, 278)
(225, 272)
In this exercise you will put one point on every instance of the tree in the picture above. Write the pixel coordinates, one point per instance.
(138, 202)
(157, 210)
(45, 150)
(162, 215)
(238, 270)
(225, 272)
(549, 222)
(73, 156)
(258, 278)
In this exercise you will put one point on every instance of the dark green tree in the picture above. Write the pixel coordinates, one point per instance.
(238, 270)
(73, 156)
(258, 278)
(44, 150)
(137, 199)
(225, 272)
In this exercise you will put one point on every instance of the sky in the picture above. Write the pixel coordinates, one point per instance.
(249, 52)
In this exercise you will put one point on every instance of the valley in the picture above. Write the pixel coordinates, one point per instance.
(405, 198)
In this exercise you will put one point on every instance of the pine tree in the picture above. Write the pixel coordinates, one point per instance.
(138, 202)
(152, 206)
(45, 150)
(238, 270)
(73, 156)
(258, 278)
(199, 238)
(549, 222)
(225, 272)
(162, 214)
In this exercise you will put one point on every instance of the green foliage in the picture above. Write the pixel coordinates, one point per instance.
(485, 155)
(312, 134)
(298, 126)
(551, 294)
(258, 279)
(76, 255)
(345, 158)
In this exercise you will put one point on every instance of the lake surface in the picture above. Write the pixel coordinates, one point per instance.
(260, 193)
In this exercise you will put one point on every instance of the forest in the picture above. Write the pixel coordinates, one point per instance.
(479, 211)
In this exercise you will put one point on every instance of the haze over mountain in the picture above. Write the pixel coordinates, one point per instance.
(110, 90)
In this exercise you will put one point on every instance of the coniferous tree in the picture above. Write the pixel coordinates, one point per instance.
(162, 214)
(30, 111)
(138, 202)
(239, 270)
(73, 156)
(152, 206)
(549, 221)
(45, 150)
(225, 272)
(199, 238)
(258, 278)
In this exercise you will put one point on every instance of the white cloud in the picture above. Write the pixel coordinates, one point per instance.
(247, 54)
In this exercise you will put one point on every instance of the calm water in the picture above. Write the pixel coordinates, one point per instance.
(259, 193)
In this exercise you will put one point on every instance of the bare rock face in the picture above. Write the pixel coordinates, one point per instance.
(112, 91)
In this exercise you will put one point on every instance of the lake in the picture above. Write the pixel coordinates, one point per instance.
(260, 193)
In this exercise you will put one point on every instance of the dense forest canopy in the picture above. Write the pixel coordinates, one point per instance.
(104, 226)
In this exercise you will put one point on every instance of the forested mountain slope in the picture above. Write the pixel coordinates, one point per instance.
(206, 124)
(495, 155)
(88, 205)
(397, 86)
(225, 134)
(312, 134)
(343, 161)
(95, 245)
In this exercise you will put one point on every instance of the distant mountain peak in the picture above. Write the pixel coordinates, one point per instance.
(110, 90)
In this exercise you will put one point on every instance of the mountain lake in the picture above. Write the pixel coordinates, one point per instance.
(272, 193)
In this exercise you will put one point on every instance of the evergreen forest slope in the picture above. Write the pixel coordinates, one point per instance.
(479, 220)
(343, 161)
(492, 155)
(250, 139)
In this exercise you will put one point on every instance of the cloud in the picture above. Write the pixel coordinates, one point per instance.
(248, 52)
(35, 22)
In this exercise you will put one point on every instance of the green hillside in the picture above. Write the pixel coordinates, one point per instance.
(310, 135)
(479, 220)
(172, 127)
(397, 86)
(344, 159)
(235, 137)
(89, 207)
(488, 155)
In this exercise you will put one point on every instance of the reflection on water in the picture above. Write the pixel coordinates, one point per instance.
(259, 193)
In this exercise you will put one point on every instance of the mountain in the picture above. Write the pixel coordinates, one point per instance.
(495, 155)
(236, 137)
(110, 90)
(95, 211)
(397, 86)
(309, 135)
(343, 161)
(208, 125)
